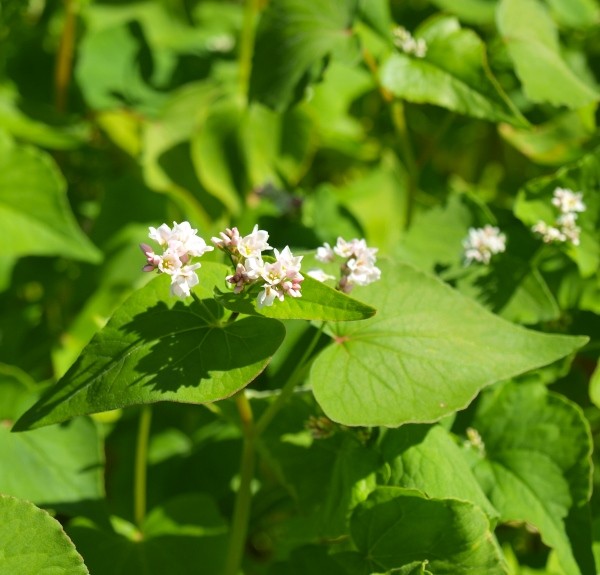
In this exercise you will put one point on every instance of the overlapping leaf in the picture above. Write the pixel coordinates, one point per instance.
(426, 353)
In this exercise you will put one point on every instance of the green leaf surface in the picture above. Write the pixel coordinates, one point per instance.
(396, 528)
(427, 458)
(535, 464)
(451, 75)
(470, 11)
(318, 302)
(426, 353)
(33, 543)
(293, 37)
(595, 387)
(576, 13)
(70, 456)
(156, 348)
(533, 45)
(184, 535)
(34, 211)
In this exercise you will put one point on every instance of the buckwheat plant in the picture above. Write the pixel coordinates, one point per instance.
(565, 229)
(482, 243)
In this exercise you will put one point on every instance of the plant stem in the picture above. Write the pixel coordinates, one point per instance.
(141, 463)
(289, 386)
(241, 511)
(64, 58)
(251, 10)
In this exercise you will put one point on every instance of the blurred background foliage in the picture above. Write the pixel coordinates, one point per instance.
(301, 116)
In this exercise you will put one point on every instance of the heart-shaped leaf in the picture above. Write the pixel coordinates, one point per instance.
(426, 353)
(156, 348)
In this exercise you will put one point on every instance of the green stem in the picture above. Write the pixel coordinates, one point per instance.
(241, 511)
(64, 58)
(251, 10)
(288, 388)
(141, 463)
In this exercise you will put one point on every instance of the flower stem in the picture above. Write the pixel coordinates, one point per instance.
(241, 511)
(64, 58)
(251, 10)
(287, 390)
(141, 463)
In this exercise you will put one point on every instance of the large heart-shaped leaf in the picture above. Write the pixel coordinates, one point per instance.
(426, 353)
(532, 40)
(33, 543)
(452, 74)
(35, 216)
(536, 466)
(156, 348)
(397, 528)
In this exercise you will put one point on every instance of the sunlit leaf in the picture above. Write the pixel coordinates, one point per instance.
(33, 543)
(426, 353)
(157, 348)
(35, 216)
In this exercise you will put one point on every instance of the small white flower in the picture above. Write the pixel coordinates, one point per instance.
(404, 40)
(254, 244)
(229, 239)
(161, 235)
(568, 201)
(282, 277)
(482, 243)
(183, 279)
(325, 253)
(568, 226)
(319, 275)
(549, 234)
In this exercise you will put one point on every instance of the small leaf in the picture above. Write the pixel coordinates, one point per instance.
(183, 535)
(397, 528)
(426, 353)
(318, 302)
(33, 543)
(35, 216)
(576, 13)
(451, 75)
(293, 37)
(158, 349)
(470, 11)
(533, 44)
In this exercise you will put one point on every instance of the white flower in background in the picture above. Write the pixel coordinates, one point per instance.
(181, 243)
(570, 204)
(319, 275)
(325, 253)
(482, 243)
(404, 40)
(358, 267)
(568, 201)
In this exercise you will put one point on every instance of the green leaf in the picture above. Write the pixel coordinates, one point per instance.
(595, 387)
(427, 458)
(158, 349)
(397, 528)
(535, 463)
(33, 543)
(470, 11)
(311, 559)
(183, 535)
(56, 466)
(217, 155)
(318, 302)
(34, 211)
(451, 75)
(576, 13)
(293, 38)
(533, 45)
(426, 353)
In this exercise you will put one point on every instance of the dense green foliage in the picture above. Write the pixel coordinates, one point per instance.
(438, 421)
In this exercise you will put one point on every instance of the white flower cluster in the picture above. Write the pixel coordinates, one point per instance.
(404, 40)
(482, 243)
(180, 244)
(281, 277)
(569, 203)
(358, 267)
